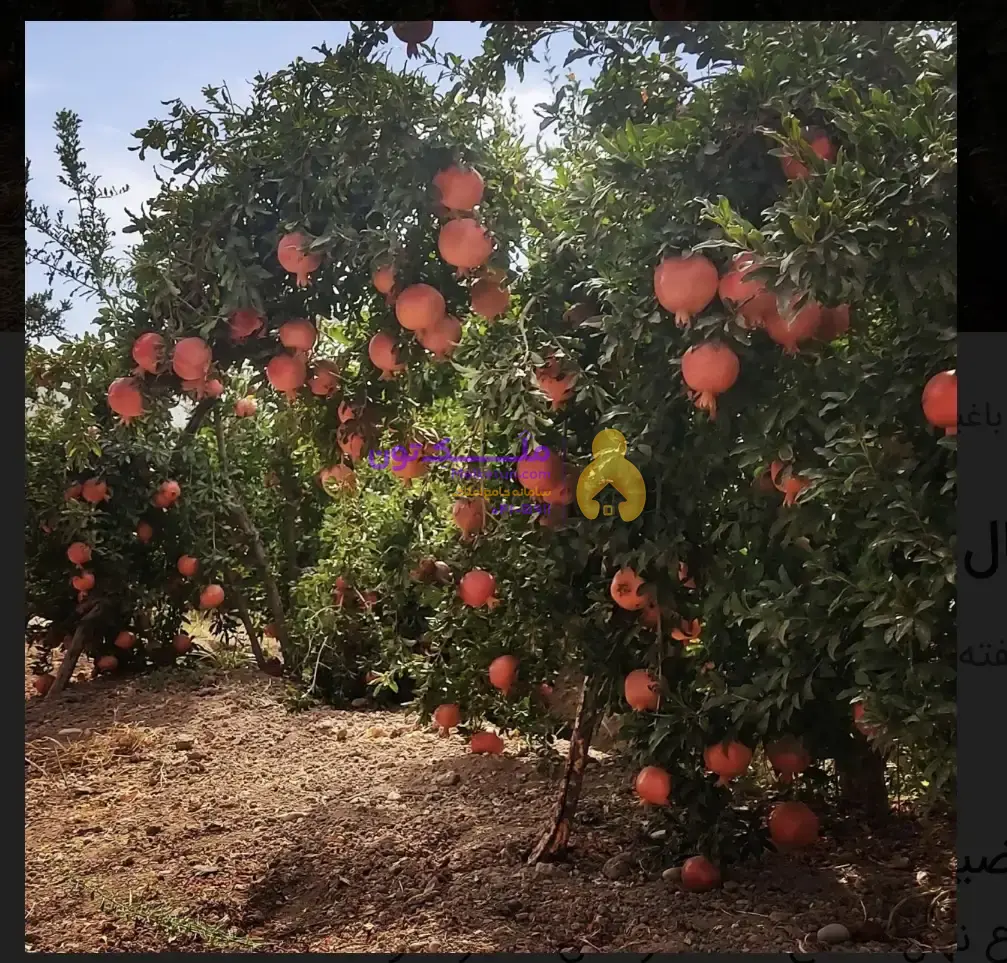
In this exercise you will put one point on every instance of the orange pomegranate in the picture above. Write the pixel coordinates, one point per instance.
(940, 401)
(211, 597)
(464, 243)
(477, 588)
(83, 583)
(213, 388)
(459, 188)
(641, 690)
(555, 386)
(95, 491)
(43, 683)
(244, 323)
(728, 760)
(79, 553)
(503, 673)
(653, 785)
(341, 477)
(684, 577)
(447, 717)
(419, 306)
(125, 640)
(699, 875)
(188, 566)
(414, 468)
(791, 485)
(350, 441)
(540, 476)
(191, 359)
(788, 757)
(346, 413)
(245, 407)
(687, 631)
(144, 532)
(709, 369)
(626, 590)
(106, 663)
(486, 742)
(125, 399)
(383, 279)
(790, 333)
(298, 335)
(488, 299)
(169, 492)
(792, 825)
(469, 514)
(74, 491)
(384, 354)
(412, 33)
(685, 285)
(734, 289)
(442, 337)
(181, 644)
(324, 379)
(287, 373)
(794, 169)
(148, 353)
(292, 254)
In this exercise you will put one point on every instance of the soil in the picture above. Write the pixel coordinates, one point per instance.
(194, 811)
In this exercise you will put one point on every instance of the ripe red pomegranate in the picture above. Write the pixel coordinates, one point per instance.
(188, 566)
(442, 337)
(794, 169)
(148, 353)
(293, 257)
(245, 407)
(469, 514)
(709, 369)
(74, 491)
(727, 760)
(95, 491)
(79, 553)
(182, 644)
(125, 640)
(788, 757)
(790, 333)
(940, 401)
(106, 663)
(734, 289)
(410, 470)
(346, 413)
(684, 577)
(489, 299)
(384, 354)
(412, 33)
(792, 825)
(686, 631)
(340, 477)
(791, 486)
(486, 742)
(169, 492)
(641, 690)
(144, 532)
(324, 380)
(625, 590)
(244, 323)
(211, 597)
(43, 683)
(459, 188)
(477, 588)
(447, 717)
(299, 335)
(699, 875)
(653, 785)
(383, 279)
(419, 306)
(503, 673)
(557, 387)
(191, 359)
(287, 373)
(350, 441)
(685, 285)
(540, 476)
(83, 583)
(464, 243)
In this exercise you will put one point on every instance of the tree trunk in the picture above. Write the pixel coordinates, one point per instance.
(862, 779)
(246, 620)
(553, 844)
(73, 652)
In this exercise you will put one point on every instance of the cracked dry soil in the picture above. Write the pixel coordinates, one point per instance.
(199, 814)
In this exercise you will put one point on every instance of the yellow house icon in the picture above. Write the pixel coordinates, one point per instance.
(609, 466)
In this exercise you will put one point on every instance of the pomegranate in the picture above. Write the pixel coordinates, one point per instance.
(699, 875)
(106, 663)
(540, 476)
(503, 673)
(74, 491)
(83, 583)
(419, 306)
(709, 369)
(447, 717)
(442, 337)
(211, 597)
(324, 380)
(728, 760)
(477, 588)
(792, 825)
(383, 279)
(294, 259)
(687, 631)
(641, 690)
(244, 323)
(144, 532)
(95, 491)
(287, 373)
(653, 785)
(79, 553)
(460, 188)
(408, 470)
(169, 492)
(350, 441)
(834, 324)
(733, 288)
(191, 359)
(625, 590)
(384, 354)
(794, 169)
(213, 388)
(340, 477)
(684, 577)
(486, 742)
(940, 401)
(469, 514)
(345, 413)
(650, 613)
(554, 385)
(43, 683)
(788, 758)
(489, 299)
(125, 640)
(299, 335)
(182, 643)
(412, 33)
(188, 566)
(792, 485)
(464, 243)
(148, 353)
(791, 333)
(685, 285)
(269, 631)
(859, 712)
(245, 407)
(757, 309)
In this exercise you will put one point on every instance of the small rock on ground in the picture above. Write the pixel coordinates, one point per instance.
(833, 933)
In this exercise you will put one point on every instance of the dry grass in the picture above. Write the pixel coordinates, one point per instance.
(86, 751)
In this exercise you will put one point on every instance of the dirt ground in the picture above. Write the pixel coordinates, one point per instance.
(196, 813)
